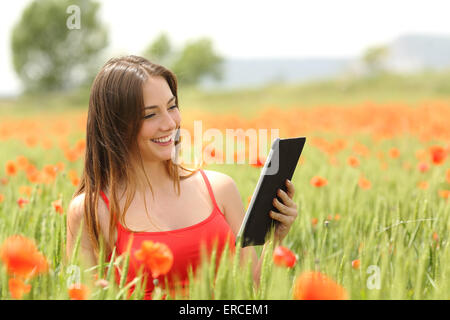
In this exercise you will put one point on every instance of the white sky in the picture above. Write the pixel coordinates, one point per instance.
(252, 28)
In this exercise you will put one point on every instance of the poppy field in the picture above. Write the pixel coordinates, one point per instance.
(372, 190)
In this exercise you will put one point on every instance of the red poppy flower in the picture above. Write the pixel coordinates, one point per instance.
(318, 182)
(353, 161)
(394, 153)
(317, 286)
(26, 190)
(211, 154)
(17, 288)
(422, 185)
(80, 146)
(259, 162)
(21, 257)
(444, 194)
(364, 183)
(284, 257)
(57, 204)
(11, 168)
(435, 236)
(438, 154)
(73, 176)
(356, 263)
(21, 202)
(78, 291)
(156, 256)
(423, 167)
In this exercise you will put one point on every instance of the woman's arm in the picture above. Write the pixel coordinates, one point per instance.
(75, 217)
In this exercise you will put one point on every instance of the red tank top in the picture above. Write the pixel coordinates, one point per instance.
(186, 245)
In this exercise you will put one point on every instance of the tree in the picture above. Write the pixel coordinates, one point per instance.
(374, 58)
(57, 43)
(197, 60)
(160, 50)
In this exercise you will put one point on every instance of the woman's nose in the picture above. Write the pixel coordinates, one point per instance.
(168, 122)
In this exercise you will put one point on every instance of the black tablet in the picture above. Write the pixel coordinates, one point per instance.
(279, 166)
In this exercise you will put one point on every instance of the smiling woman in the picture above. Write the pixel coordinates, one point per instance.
(133, 119)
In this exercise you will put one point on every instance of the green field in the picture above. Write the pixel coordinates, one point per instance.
(398, 231)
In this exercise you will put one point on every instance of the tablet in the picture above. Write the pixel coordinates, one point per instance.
(279, 166)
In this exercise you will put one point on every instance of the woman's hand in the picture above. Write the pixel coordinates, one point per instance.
(287, 212)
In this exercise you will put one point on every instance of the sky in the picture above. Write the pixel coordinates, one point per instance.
(251, 28)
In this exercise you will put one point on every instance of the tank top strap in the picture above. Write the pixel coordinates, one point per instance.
(104, 198)
(211, 194)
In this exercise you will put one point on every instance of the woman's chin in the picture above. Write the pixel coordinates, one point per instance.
(163, 156)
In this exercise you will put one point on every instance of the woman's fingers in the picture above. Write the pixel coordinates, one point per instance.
(290, 189)
(283, 218)
(281, 207)
(286, 199)
(289, 211)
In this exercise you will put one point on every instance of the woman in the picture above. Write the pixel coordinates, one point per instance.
(133, 112)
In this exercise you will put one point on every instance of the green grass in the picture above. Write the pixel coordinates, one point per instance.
(389, 228)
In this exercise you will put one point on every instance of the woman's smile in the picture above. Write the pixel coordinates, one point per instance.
(163, 142)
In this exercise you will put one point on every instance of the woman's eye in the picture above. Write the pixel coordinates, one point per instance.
(151, 115)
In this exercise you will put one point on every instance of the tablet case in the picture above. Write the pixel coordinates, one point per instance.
(279, 166)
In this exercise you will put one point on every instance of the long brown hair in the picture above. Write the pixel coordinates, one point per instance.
(115, 116)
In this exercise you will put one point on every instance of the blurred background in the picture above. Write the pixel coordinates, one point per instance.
(267, 52)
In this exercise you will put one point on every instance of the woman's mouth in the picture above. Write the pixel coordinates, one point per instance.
(163, 141)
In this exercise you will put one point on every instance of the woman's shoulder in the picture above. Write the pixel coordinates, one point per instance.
(228, 198)
(76, 207)
(217, 178)
(75, 210)
(223, 186)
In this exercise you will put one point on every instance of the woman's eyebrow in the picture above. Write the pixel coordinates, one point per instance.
(152, 107)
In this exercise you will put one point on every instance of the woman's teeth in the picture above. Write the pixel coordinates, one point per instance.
(162, 140)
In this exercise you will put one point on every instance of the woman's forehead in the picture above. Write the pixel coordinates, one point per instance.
(156, 91)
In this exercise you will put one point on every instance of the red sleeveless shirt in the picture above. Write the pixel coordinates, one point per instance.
(186, 245)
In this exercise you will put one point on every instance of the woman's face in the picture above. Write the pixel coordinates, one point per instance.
(161, 118)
